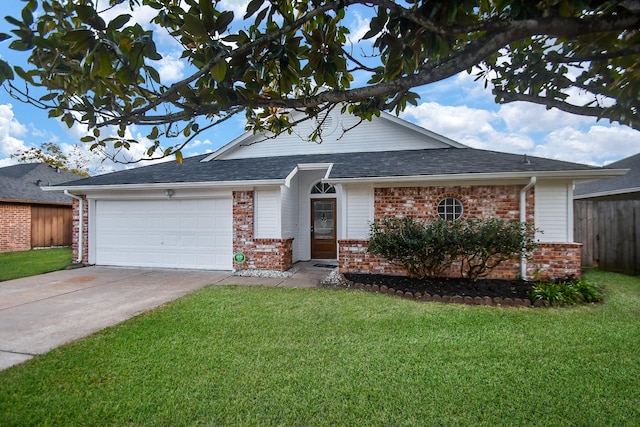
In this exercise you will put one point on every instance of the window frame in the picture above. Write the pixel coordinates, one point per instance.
(450, 208)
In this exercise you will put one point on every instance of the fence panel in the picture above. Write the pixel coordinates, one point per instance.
(50, 226)
(610, 233)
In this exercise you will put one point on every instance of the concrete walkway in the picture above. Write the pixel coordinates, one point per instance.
(42, 312)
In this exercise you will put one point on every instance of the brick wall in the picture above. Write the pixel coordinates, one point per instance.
(549, 260)
(501, 201)
(269, 254)
(76, 230)
(15, 227)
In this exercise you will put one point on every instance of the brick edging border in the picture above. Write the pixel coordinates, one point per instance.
(455, 299)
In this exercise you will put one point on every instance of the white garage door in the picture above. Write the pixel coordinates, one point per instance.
(164, 233)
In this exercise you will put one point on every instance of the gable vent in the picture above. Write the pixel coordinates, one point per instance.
(328, 123)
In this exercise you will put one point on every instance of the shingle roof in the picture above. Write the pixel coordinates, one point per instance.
(630, 182)
(446, 161)
(22, 183)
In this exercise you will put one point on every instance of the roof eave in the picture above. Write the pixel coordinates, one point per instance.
(34, 202)
(172, 185)
(617, 192)
(568, 174)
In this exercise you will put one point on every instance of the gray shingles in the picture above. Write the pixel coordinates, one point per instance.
(346, 165)
(22, 183)
(618, 184)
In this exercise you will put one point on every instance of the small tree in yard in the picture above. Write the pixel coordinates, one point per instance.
(430, 249)
(488, 243)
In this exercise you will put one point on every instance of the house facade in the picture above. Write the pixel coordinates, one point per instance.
(266, 203)
(29, 217)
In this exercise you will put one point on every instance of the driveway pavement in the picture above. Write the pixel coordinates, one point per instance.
(42, 312)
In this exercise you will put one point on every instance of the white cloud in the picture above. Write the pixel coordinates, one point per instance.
(198, 143)
(452, 121)
(597, 145)
(238, 7)
(10, 131)
(470, 126)
(170, 67)
(517, 128)
(529, 117)
(359, 27)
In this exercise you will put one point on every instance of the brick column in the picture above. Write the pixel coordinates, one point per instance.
(76, 229)
(269, 254)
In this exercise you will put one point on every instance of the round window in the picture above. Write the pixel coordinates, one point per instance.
(450, 209)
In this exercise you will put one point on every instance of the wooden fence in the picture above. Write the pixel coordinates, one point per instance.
(610, 233)
(50, 226)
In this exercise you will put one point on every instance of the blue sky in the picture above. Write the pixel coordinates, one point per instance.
(459, 108)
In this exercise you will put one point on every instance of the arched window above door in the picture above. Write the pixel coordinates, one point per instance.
(323, 188)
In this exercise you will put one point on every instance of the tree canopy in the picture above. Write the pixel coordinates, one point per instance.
(52, 154)
(579, 56)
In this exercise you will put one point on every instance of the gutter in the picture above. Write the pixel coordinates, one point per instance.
(80, 226)
(523, 219)
(589, 174)
(164, 185)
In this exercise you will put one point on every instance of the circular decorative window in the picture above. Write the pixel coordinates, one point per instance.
(450, 209)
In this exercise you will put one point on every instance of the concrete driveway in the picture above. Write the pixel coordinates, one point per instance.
(42, 312)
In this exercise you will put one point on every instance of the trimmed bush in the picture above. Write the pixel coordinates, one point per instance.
(422, 249)
(426, 249)
(485, 244)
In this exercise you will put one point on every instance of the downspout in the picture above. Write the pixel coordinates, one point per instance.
(80, 226)
(523, 219)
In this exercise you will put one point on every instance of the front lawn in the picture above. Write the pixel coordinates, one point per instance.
(14, 265)
(272, 356)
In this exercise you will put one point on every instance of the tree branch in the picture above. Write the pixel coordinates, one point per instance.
(556, 58)
(598, 112)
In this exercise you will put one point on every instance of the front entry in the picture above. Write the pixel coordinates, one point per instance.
(323, 229)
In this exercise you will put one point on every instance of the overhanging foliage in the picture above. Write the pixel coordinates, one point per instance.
(285, 55)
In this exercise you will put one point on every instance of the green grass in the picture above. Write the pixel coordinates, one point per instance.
(14, 265)
(271, 356)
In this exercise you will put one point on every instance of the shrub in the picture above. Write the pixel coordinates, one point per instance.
(485, 244)
(422, 249)
(567, 291)
(430, 248)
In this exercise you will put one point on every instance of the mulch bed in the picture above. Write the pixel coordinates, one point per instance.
(457, 290)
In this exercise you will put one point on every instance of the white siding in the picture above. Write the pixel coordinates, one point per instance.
(378, 135)
(289, 197)
(267, 214)
(358, 210)
(553, 211)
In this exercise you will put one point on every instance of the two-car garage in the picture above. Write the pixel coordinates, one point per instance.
(171, 233)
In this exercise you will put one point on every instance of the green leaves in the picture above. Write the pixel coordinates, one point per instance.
(430, 248)
(298, 55)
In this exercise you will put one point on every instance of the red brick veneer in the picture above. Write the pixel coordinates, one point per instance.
(270, 254)
(15, 227)
(501, 201)
(549, 260)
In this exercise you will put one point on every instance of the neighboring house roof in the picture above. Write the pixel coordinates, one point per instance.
(625, 184)
(22, 184)
(450, 163)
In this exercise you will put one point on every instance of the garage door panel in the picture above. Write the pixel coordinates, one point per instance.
(164, 233)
